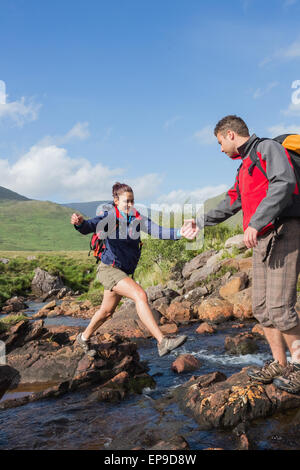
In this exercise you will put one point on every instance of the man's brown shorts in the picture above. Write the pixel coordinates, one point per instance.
(109, 276)
(274, 289)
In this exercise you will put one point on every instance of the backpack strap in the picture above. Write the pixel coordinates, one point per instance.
(254, 158)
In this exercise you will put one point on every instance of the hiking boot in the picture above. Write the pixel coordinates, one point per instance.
(267, 373)
(84, 345)
(290, 380)
(168, 344)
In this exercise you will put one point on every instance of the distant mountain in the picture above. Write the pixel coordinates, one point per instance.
(88, 209)
(7, 194)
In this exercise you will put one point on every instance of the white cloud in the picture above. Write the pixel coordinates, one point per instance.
(19, 111)
(261, 92)
(292, 110)
(48, 172)
(170, 122)
(281, 129)
(205, 135)
(80, 131)
(288, 53)
(289, 3)
(196, 196)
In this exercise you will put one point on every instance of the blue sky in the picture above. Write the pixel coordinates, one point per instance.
(130, 90)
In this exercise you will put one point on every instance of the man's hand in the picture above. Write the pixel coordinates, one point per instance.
(189, 229)
(250, 237)
(76, 219)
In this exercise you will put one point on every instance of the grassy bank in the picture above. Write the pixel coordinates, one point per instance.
(78, 270)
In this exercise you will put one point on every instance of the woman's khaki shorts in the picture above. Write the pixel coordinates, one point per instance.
(109, 276)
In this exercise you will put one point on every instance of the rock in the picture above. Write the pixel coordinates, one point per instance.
(200, 275)
(215, 258)
(185, 363)
(44, 282)
(236, 241)
(4, 260)
(175, 443)
(154, 292)
(63, 292)
(51, 293)
(242, 304)
(169, 329)
(196, 263)
(243, 343)
(14, 305)
(214, 310)
(31, 257)
(127, 323)
(180, 312)
(8, 376)
(237, 283)
(50, 306)
(227, 403)
(258, 330)
(196, 294)
(205, 328)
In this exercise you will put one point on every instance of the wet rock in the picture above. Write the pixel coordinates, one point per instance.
(196, 263)
(214, 310)
(180, 312)
(43, 282)
(237, 283)
(14, 305)
(51, 293)
(185, 363)
(206, 328)
(8, 376)
(175, 443)
(232, 401)
(243, 343)
(169, 329)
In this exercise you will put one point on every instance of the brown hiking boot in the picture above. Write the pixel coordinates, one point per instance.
(267, 373)
(290, 380)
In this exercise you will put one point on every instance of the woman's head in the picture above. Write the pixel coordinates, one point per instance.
(123, 196)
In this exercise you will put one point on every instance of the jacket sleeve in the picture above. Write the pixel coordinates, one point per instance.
(229, 206)
(156, 231)
(282, 183)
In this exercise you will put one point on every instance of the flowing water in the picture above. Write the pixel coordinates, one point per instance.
(72, 422)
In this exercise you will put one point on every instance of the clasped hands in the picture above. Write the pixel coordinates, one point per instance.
(189, 229)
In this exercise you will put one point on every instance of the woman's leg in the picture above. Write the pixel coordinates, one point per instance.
(129, 288)
(109, 303)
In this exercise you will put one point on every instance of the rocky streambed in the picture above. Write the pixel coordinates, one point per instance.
(126, 397)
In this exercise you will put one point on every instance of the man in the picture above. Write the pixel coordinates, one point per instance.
(271, 222)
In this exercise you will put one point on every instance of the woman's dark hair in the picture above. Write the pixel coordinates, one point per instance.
(120, 188)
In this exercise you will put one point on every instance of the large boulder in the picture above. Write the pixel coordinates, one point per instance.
(242, 304)
(180, 312)
(237, 241)
(214, 310)
(200, 275)
(215, 402)
(14, 305)
(43, 282)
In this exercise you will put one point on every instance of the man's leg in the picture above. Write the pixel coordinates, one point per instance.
(277, 344)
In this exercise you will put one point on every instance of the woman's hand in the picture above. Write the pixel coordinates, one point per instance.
(189, 229)
(76, 219)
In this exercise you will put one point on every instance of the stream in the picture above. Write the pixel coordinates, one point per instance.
(71, 422)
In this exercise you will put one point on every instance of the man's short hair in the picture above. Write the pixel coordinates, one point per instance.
(232, 123)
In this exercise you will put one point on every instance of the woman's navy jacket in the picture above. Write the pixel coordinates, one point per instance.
(122, 234)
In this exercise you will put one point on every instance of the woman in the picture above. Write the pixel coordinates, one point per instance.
(119, 260)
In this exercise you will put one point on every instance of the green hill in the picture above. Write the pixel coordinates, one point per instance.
(38, 226)
(7, 194)
(233, 221)
(86, 208)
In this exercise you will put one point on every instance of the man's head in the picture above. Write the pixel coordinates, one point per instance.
(231, 132)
